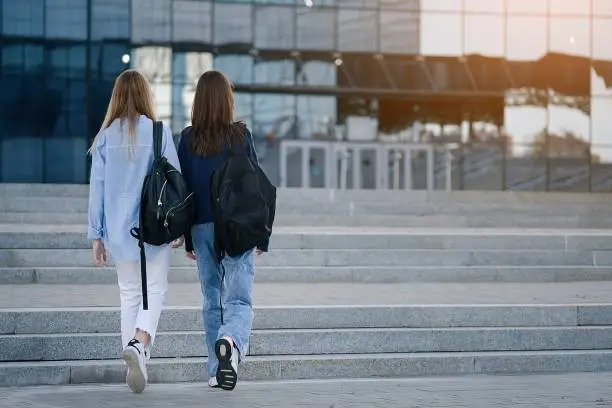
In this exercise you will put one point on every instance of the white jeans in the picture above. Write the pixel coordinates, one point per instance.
(130, 293)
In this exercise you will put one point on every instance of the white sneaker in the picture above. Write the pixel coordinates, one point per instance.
(212, 382)
(227, 371)
(134, 356)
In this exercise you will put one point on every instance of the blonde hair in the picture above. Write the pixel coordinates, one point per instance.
(131, 97)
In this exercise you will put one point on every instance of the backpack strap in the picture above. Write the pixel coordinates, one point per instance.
(157, 139)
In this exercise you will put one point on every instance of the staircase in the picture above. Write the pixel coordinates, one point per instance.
(357, 284)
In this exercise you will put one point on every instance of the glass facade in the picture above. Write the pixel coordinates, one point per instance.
(522, 87)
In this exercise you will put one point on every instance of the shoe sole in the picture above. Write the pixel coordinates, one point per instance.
(135, 378)
(226, 375)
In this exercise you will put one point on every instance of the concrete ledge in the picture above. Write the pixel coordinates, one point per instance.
(347, 257)
(314, 342)
(329, 274)
(314, 367)
(106, 320)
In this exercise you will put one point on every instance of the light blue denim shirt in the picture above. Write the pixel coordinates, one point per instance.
(116, 183)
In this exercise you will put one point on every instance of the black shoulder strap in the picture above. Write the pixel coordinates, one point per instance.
(157, 139)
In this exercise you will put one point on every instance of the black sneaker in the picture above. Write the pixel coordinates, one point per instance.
(227, 371)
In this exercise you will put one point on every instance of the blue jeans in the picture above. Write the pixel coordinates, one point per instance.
(237, 291)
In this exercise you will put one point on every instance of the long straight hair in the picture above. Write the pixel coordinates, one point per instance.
(131, 97)
(212, 116)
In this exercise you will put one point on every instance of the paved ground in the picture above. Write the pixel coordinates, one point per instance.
(558, 391)
(294, 294)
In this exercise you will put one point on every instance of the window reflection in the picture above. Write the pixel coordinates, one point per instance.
(280, 72)
(526, 38)
(151, 20)
(155, 64)
(233, 23)
(23, 18)
(400, 4)
(570, 36)
(192, 21)
(67, 61)
(526, 126)
(399, 32)
(110, 19)
(441, 5)
(315, 28)
(488, 6)
(357, 30)
(527, 6)
(570, 7)
(602, 7)
(66, 19)
(360, 4)
(316, 73)
(441, 34)
(243, 103)
(238, 67)
(274, 27)
(601, 106)
(316, 116)
(274, 116)
(484, 35)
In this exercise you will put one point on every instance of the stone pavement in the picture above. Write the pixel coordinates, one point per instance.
(559, 391)
(320, 294)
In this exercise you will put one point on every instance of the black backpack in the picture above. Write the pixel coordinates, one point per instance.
(167, 207)
(244, 203)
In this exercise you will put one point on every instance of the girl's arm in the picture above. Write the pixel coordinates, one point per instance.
(95, 228)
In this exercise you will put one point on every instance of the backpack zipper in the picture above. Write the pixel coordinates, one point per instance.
(179, 205)
(159, 201)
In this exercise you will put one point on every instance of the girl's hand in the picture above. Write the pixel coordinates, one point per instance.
(99, 253)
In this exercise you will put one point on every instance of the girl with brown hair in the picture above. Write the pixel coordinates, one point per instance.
(203, 147)
(122, 155)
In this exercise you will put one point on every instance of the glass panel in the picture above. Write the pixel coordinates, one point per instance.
(361, 4)
(67, 61)
(526, 30)
(192, 21)
(601, 78)
(315, 28)
(602, 8)
(281, 72)
(273, 116)
(441, 5)
(155, 63)
(110, 19)
(244, 107)
(12, 58)
(317, 73)
(601, 120)
(151, 20)
(527, 6)
(570, 36)
(399, 32)
(525, 125)
(601, 168)
(274, 27)
(432, 43)
(66, 19)
(276, 1)
(316, 116)
(238, 67)
(484, 35)
(412, 5)
(107, 60)
(23, 18)
(233, 23)
(570, 7)
(357, 30)
(489, 6)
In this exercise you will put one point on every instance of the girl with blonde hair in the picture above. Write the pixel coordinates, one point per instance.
(122, 155)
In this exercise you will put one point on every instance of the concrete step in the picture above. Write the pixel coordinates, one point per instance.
(379, 207)
(40, 236)
(264, 368)
(105, 320)
(96, 346)
(342, 257)
(326, 294)
(481, 220)
(328, 274)
(325, 195)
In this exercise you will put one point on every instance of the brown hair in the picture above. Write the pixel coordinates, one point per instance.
(131, 97)
(212, 116)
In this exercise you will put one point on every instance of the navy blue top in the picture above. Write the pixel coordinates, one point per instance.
(197, 172)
